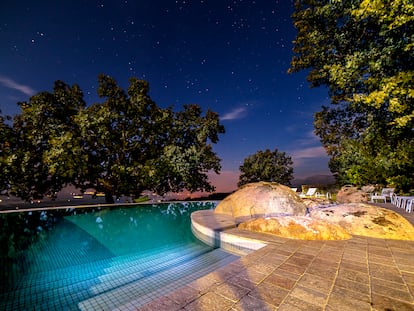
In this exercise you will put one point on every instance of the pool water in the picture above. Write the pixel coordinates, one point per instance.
(100, 258)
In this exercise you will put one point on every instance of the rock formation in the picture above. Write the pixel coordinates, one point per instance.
(349, 194)
(297, 227)
(336, 223)
(276, 209)
(260, 200)
(367, 220)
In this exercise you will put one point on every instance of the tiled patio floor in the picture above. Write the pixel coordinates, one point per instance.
(357, 274)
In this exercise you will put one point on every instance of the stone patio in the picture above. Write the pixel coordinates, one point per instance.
(357, 274)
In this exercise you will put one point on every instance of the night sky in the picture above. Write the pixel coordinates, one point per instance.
(229, 56)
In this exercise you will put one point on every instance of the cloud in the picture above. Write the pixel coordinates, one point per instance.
(306, 157)
(311, 152)
(237, 113)
(9, 83)
(310, 138)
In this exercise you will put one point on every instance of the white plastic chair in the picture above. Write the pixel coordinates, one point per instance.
(385, 193)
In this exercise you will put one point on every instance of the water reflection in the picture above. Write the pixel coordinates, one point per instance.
(28, 239)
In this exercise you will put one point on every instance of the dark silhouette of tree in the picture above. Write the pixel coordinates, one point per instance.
(271, 166)
(122, 146)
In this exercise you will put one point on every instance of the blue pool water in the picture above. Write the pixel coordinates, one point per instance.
(100, 258)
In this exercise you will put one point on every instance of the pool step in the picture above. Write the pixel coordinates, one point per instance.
(79, 283)
(137, 293)
(90, 272)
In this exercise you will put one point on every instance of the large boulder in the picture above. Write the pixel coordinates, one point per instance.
(366, 220)
(336, 223)
(260, 200)
(297, 227)
(349, 194)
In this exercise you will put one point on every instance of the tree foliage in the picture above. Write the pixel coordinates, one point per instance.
(43, 119)
(122, 146)
(7, 141)
(271, 166)
(363, 51)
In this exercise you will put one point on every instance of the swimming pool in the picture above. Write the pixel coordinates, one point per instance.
(100, 258)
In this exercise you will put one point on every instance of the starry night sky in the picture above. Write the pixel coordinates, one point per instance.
(229, 56)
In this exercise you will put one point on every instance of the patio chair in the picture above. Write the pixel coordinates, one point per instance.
(385, 193)
(310, 193)
(409, 206)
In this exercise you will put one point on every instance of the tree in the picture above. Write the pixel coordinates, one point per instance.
(363, 51)
(266, 165)
(44, 119)
(122, 146)
(134, 145)
(7, 143)
(189, 155)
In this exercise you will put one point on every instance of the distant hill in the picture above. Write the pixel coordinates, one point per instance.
(314, 180)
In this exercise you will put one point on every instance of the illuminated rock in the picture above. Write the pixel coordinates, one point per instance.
(336, 223)
(367, 220)
(260, 200)
(297, 227)
(349, 194)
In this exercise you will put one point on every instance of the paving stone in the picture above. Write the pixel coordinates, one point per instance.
(288, 274)
(242, 282)
(353, 286)
(315, 282)
(204, 284)
(161, 304)
(209, 302)
(228, 271)
(330, 255)
(300, 260)
(380, 260)
(309, 295)
(280, 281)
(293, 303)
(354, 265)
(353, 275)
(263, 267)
(378, 268)
(252, 275)
(336, 303)
(231, 291)
(251, 303)
(391, 290)
(406, 268)
(309, 250)
(269, 293)
(380, 251)
(274, 259)
(408, 277)
(292, 268)
(350, 293)
(380, 302)
(323, 269)
(184, 295)
(388, 276)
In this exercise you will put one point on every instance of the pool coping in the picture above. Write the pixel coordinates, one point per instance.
(214, 230)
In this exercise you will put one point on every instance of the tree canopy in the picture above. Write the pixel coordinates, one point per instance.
(363, 51)
(122, 146)
(271, 166)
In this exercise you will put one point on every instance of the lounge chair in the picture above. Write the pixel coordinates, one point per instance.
(385, 193)
(310, 193)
